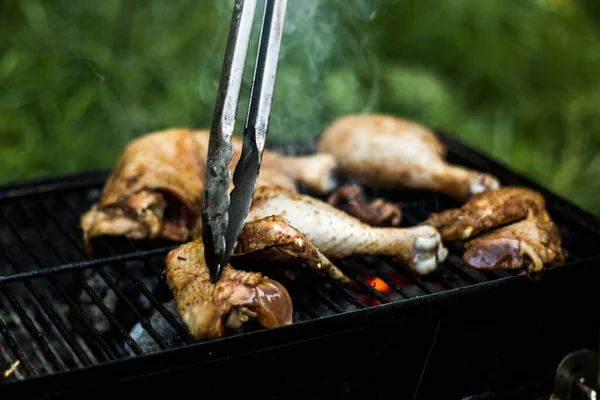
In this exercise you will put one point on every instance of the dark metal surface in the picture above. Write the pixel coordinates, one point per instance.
(576, 372)
(220, 148)
(223, 214)
(245, 176)
(77, 323)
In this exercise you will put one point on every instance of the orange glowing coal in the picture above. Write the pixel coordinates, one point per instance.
(378, 284)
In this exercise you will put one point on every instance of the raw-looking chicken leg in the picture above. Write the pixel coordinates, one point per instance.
(154, 190)
(531, 243)
(316, 171)
(337, 234)
(387, 152)
(210, 310)
(485, 211)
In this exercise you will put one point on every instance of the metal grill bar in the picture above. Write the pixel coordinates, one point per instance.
(33, 331)
(65, 295)
(16, 349)
(142, 320)
(84, 265)
(313, 297)
(183, 333)
(125, 335)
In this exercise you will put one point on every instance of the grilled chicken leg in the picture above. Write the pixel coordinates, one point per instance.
(155, 189)
(531, 243)
(386, 152)
(210, 310)
(507, 228)
(486, 211)
(337, 234)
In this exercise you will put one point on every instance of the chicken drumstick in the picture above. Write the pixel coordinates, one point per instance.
(337, 234)
(386, 152)
(507, 228)
(210, 310)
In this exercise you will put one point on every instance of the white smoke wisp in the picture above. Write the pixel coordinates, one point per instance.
(326, 65)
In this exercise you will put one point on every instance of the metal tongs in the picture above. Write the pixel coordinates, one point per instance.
(223, 216)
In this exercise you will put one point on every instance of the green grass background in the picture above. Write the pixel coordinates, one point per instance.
(517, 79)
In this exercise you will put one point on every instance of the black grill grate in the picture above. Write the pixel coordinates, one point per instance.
(60, 310)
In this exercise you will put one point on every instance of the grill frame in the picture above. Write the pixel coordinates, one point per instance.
(409, 312)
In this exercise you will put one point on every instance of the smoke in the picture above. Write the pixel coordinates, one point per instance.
(326, 66)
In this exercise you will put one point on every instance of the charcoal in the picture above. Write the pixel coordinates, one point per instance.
(91, 310)
(162, 327)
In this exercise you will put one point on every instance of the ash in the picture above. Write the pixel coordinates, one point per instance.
(162, 327)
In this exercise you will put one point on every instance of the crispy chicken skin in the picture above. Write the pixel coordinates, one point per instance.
(387, 152)
(274, 239)
(379, 212)
(211, 310)
(154, 190)
(337, 234)
(316, 171)
(507, 228)
(485, 211)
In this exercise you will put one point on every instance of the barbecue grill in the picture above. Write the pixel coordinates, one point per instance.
(73, 325)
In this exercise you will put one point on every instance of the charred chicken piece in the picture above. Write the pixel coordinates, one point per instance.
(486, 211)
(154, 190)
(530, 243)
(316, 171)
(211, 310)
(386, 152)
(275, 240)
(337, 234)
(350, 198)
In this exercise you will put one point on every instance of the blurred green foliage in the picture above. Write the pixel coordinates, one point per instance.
(517, 79)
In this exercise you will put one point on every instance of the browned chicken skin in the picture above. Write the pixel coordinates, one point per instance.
(379, 212)
(210, 310)
(275, 240)
(507, 228)
(155, 189)
(387, 152)
(156, 173)
(531, 243)
(486, 211)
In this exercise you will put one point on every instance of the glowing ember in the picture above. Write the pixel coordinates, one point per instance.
(378, 284)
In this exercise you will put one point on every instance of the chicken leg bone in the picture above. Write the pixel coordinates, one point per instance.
(316, 171)
(337, 234)
(386, 152)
